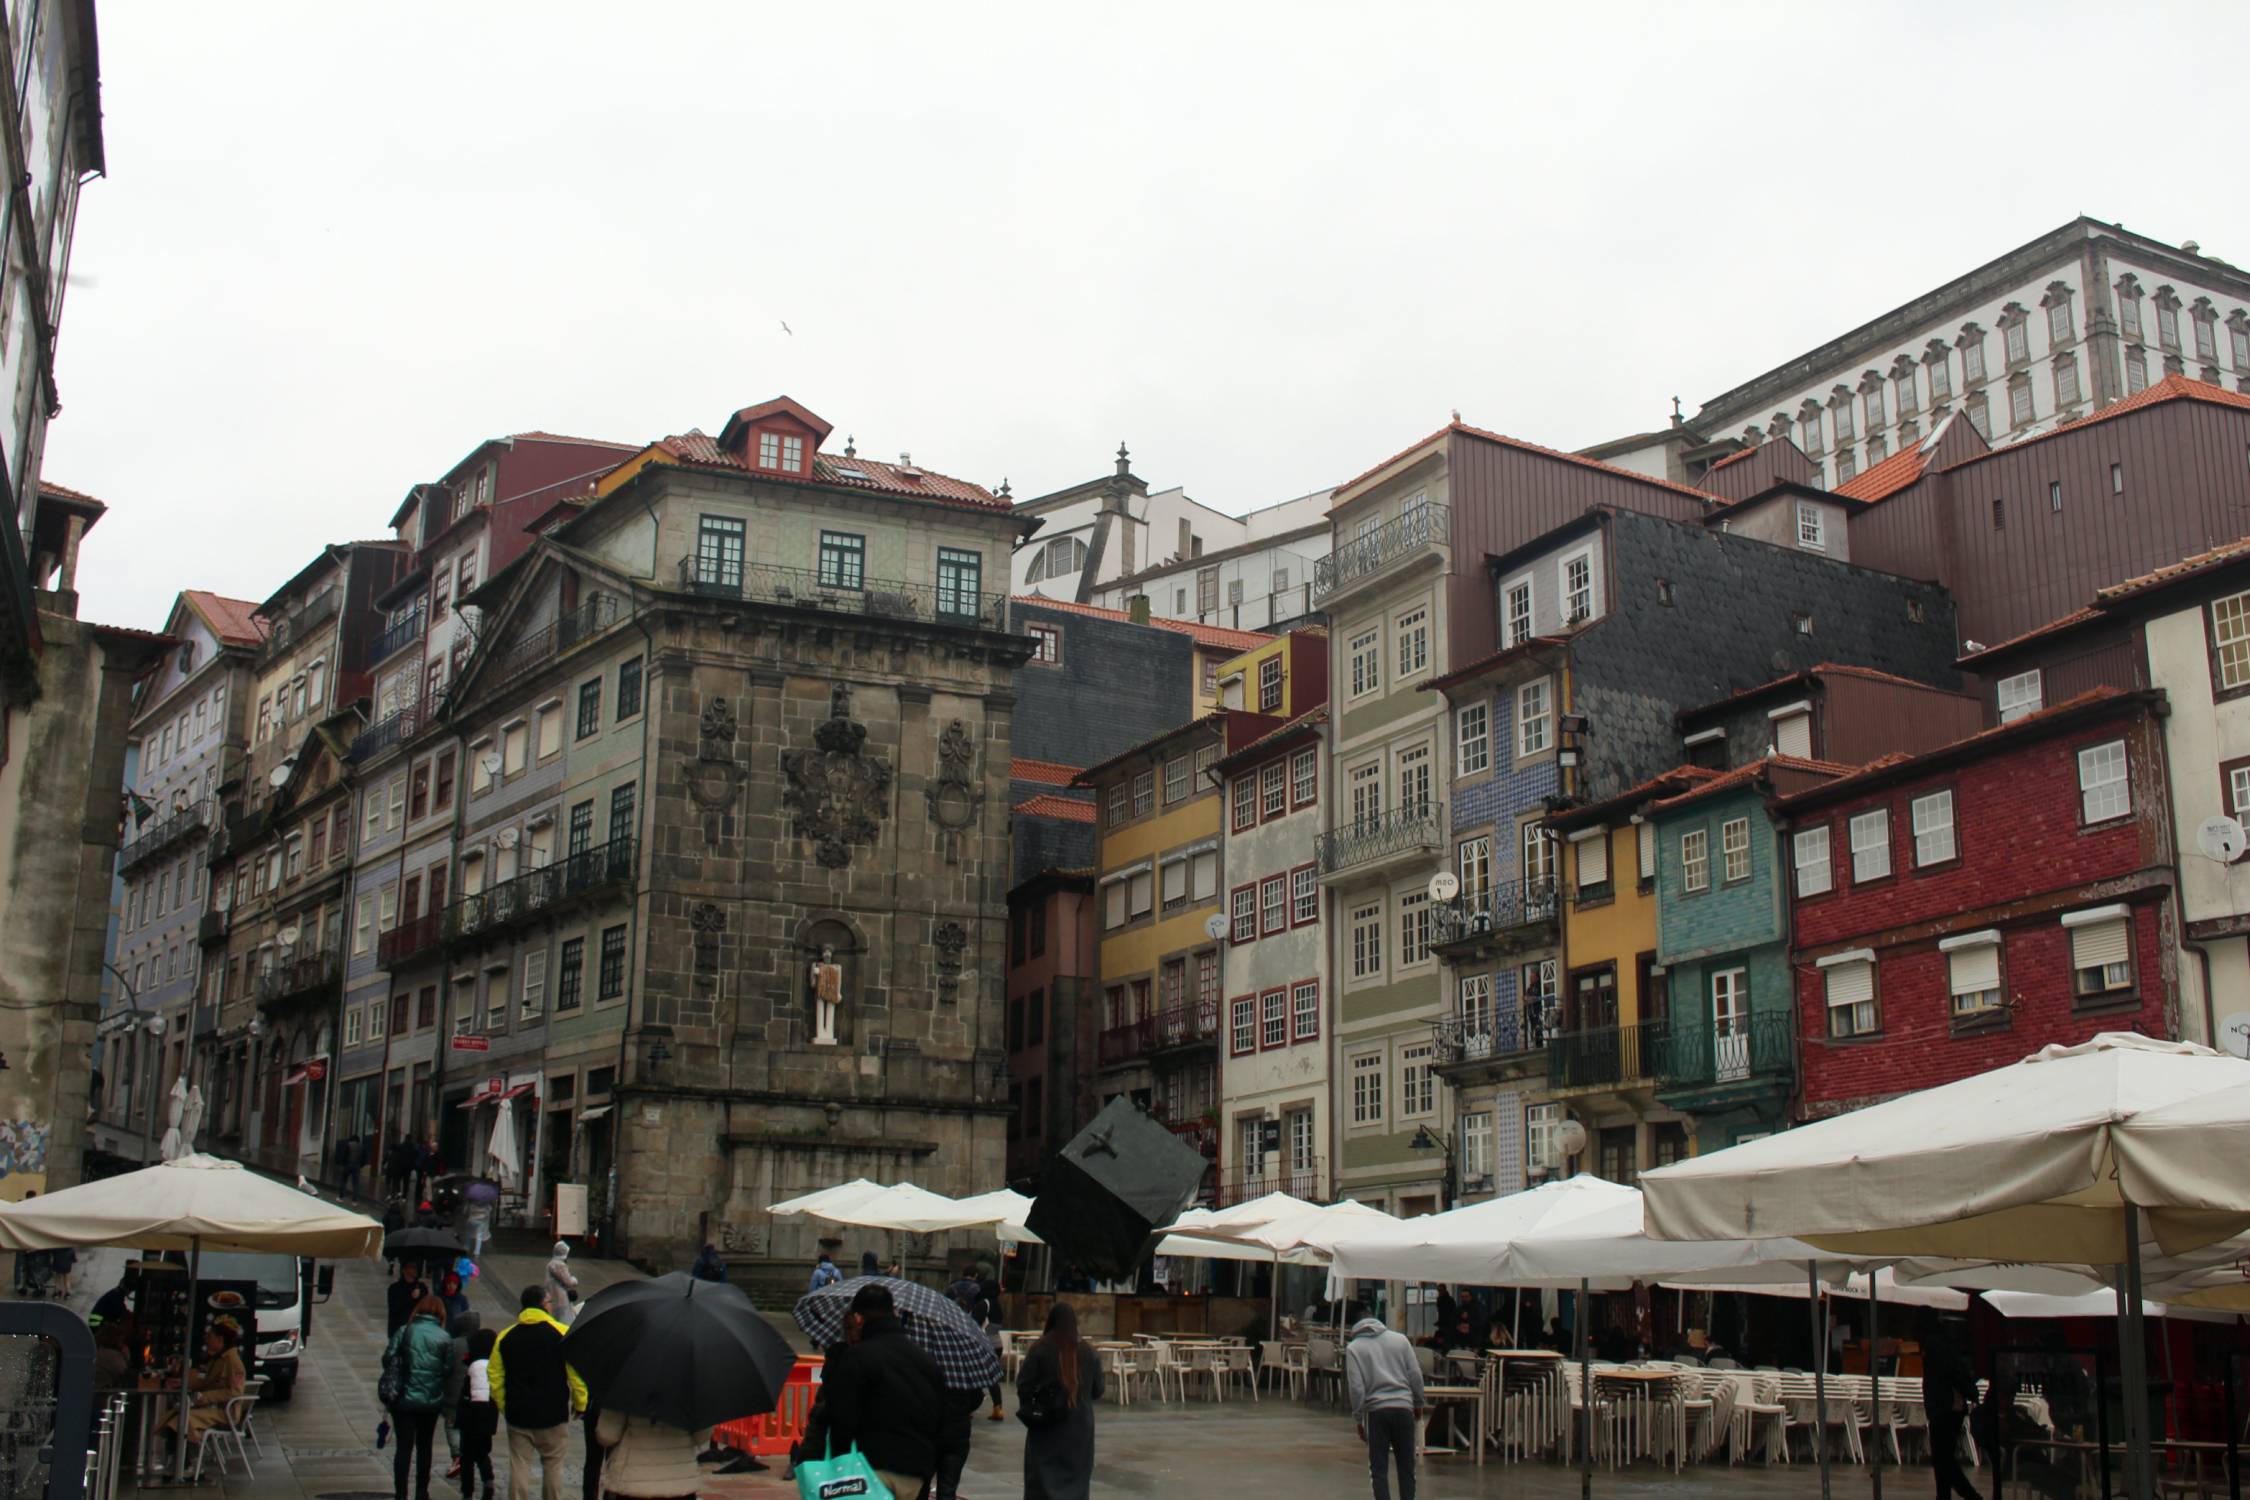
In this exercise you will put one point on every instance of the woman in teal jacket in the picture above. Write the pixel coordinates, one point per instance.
(421, 1353)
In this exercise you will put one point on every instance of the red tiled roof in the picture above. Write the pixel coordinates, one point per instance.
(234, 621)
(1632, 796)
(49, 487)
(2029, 724)
(1485, 664)
(1749, 771)
(2186, 567)
(1518, 443)
(2170, 388)
(1045, 772)
(1047, 805)
(1733, 458)
(1311, 718)
(1215, 719)
(1215, 636)
(702, 450)
(2071, 621)
(584, 442)
(1888, 477)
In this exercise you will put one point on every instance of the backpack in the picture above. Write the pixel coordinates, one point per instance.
(390, 1386)
(1043, 1405)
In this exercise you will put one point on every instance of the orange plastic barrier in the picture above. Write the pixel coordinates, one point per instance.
(772, 1433)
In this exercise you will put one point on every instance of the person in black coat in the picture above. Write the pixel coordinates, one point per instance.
(1949, 1394)
(887, 1396)
(405, 1292)
(1058, 1457)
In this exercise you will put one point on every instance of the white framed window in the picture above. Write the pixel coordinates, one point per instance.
(1242, 1015)
(1578, 588)
(1476, 1014)
(1411, 631)
(1203, 870)
(2238, 790)
(1695, 860)
(2019, 695)
(1933, 829)
(1113, 904)
(1273, 789)
(1871, 845)
(1814, 877)
(1365, 654)
(1538, 857)
(1304, 778)
(1176, 773)
(549, 721)
(2103, 792)
(515, 747)
(1242, 793)
(2066, 382)
(1476, 1147)
(1734, 846)
(1516, 598)
(1534, 717)
(1119, 811)
(1304, 896)
(1269, 685)
(2230, 640)
(1273, 904)
(1304, 1011)
(1366, 928)
(1413, 927)
(2101, 953)
(1473, 858)
(1414, 778)
(353, 1019)
(1539, 1122)
(1972, 968)
(1417, 1085)
(1243, 907)
(1366, 782)
(371, 816)
(363, 924)
(1046, 644)
(1144, 793)
(1811, 529)
(1851, 998)
(1140, 888)
(1273, 1019)
(534, 998)
(769, 450)
(1592, 855)
(1367, 1089)
(1472, 727)
(1644, 836)
(1172, 879)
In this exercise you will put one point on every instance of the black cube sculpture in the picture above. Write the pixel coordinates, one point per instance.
(1104, 1194)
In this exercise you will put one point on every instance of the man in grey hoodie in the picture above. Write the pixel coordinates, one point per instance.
(1386, 1390)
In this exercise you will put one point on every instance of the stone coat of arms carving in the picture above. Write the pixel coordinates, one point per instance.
(836, 793)
(955, 796)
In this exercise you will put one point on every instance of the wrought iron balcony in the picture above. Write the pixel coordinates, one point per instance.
(1498, 1033)
(400, 634)
(1411, 534)
(1604, 1055)
(1414, 828)
(301, 976)
(409, 940)
(212, 927)
(396, 726)
(1504, 910)
(1193, 1024)
(1200, 1134)
(535, 650)
(290, 631)
(1698, 1054)
(1309, 1182)
(873, 598)
(192, 821)
(540, 891)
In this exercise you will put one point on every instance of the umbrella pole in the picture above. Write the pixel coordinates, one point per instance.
(1585, 1398)
(1875, 1373)
(187, 1358)
(1820, 1371)
(2139, 1478)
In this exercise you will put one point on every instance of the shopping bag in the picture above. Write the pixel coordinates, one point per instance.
(844, 1477)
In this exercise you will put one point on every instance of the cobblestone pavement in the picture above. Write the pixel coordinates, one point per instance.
(321, 1446)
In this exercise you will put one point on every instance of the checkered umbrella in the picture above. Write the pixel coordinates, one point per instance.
(933, 1320)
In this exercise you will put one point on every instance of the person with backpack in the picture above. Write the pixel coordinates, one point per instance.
(476, 1417)
(415, 1367)
(1056, 1389)
(824, 1273)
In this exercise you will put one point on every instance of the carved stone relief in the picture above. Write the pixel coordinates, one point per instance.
(836, 792)
(956, 794)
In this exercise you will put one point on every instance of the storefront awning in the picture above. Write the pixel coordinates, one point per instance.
(521, 1088)
(485, 1093)
(313, 1069)
(587, 1115)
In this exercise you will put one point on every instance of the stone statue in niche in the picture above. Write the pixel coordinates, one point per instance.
(836, 792)
(827, 984)
(955, 797)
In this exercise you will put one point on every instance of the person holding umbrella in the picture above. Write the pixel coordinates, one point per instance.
(886, 1395)
(404, 1293)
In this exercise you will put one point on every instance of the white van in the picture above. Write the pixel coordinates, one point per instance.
(283, 1285)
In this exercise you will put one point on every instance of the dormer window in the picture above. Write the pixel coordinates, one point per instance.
(781, 452)
(769, 450)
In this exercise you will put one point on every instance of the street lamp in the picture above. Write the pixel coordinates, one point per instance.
(154, 1026)
(1426, 1140)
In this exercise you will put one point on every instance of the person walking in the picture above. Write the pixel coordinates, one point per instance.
(710, 1265)
(824, 1273)
(463, 1325)
(476, 1418)
(420, 1356)
(1056, 1388)
(561, 1285)
(405, 1292)
(647, 1460)
(1385, 1381)
(346, 1160)
(537, 1391)
(989, 1288)
(1949, 1392)
(886, 1395)
(398, 1166)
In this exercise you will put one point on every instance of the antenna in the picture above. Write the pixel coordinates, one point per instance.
(2221, 839)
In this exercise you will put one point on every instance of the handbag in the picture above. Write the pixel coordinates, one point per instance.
(845, 1477)
(390, 1386)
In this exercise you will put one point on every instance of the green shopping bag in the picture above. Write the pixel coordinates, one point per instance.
(846, 1478)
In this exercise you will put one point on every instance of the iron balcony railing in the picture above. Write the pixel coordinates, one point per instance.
(1494, 1033)
(543, 645)
(876, 598)
(1494, 910)
(1414, 531)
(397, 637)
(1700, 1053)
(301, 976)
(192, 821)
(1604, 1055)
(1199, 1134)
(1308, 1182)
(541, 890)
(398, 725)
(409, 939)
(212, 927)
(1179, 1026)
(1403, 830)
(288, 632)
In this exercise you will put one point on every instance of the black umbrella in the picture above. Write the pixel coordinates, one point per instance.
(423, 1244)
(687, 1353)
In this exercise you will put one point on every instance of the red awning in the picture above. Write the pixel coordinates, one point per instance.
(485, 1094)
(521, 1088)
(294, 1076)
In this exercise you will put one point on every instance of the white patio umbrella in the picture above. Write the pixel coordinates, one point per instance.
(2096, 1304)
(1889, 1290)
(1008, 1209)
(192, 1124)
(1296, 1236)
(170, 1146)
(813, 1204)
(501, 1150)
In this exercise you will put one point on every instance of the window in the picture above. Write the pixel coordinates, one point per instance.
(2066, 386)
(960, 583)
(1518, 596)
(1269, 685)
(1902, 387)
(1414, 780)
(534, 998)
(1874, 399)
(1534, 706)
(2129, 311)
(1273, 789)
(1851, 998)
(1367, 940)
(1734, 847)
(1538, 858)
(2058, 320)
(718, 552)
(1472, 725)
(843, 560)
(1413, 927)
(589, 707)
(613, 963)
(1046, 644)
(1242, 1025)
(2167, 319)
(419, 803)
(1973, 974)
(2019, 695)
(581, 828)
(2000, 514)
(1118, 811)
(1592, 854)
(1412, 633)
(371, 815)
(2136, 371)
(1140, 888)
(1273, 1019)
(1304, 896)
(1243, 795)
(2206, 335)
(1933, 829)
(1206, 590)
(2230, 640)
(1645, 837)
(353, 1020)
(2016, 335)
(1304, 1010)
(2101, 952)
(1365, 653)
(1578, 588)
(1417, 1084)
(515, 748)
(1176, 773)
(1367, 791)
(1113, 903)
(1206, 756)
(1243, 905)
(1273, 904)
(1539, 1122)
(2020, 408)
(1367, 1089)
(2103, 792)
(1809, 529)
(769, 450)
(1813, 875)
(1941, 376)
(1476, 1148)
(1473, 858)
(1695, 860)
(621, 813)
(1144, 793)
(363, 925)
(628, 693)
(1840, 414)
(1280, 581)
(1304, 778)
(1972, 356)
(1979, 414)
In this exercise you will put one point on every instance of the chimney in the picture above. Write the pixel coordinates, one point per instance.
(1137, 606)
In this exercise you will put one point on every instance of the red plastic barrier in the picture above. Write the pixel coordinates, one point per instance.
(773, 1433)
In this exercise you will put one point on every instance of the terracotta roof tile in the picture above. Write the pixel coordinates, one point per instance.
(702, 450)
(1749, 771)
(1888, 477)
(1682, 776)
(1045, 772)
(1311, 718)
(1215, 636)
(1733, 458)
(49, 487)
(2186, 567)
(2170, 388)
(2015, 728)
(235, 621)
(1486, 663)
(1518, 443)
(1047, 805)
(583, 442)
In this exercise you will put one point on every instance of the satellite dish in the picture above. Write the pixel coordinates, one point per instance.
(289, 935)
(2222, 839)
(1570, 1137)
(1444, 886)
(2234, 1034)
(1216, 927)
(491, 763)
(507, 838)
(278, 777)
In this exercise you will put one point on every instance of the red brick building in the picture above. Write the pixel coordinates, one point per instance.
(1956, 910)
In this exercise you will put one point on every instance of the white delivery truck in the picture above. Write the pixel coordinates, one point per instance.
(285, 1293)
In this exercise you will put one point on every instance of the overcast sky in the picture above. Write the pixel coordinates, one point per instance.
(1265, 245)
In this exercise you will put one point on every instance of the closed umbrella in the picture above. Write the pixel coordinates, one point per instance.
(192, 1124)
(690, 1354)
(932, 1319)
(507, 1165)
(170, 1146)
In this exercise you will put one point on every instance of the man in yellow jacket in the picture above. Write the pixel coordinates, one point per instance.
(538, 1392)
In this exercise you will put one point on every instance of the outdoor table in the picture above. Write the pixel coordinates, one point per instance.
(1636, 1385)
(149, 1399)
(1453, 1397)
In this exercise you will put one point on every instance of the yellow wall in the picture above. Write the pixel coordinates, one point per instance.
(1138, 949)
(1292, 694)
(1619, 931)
